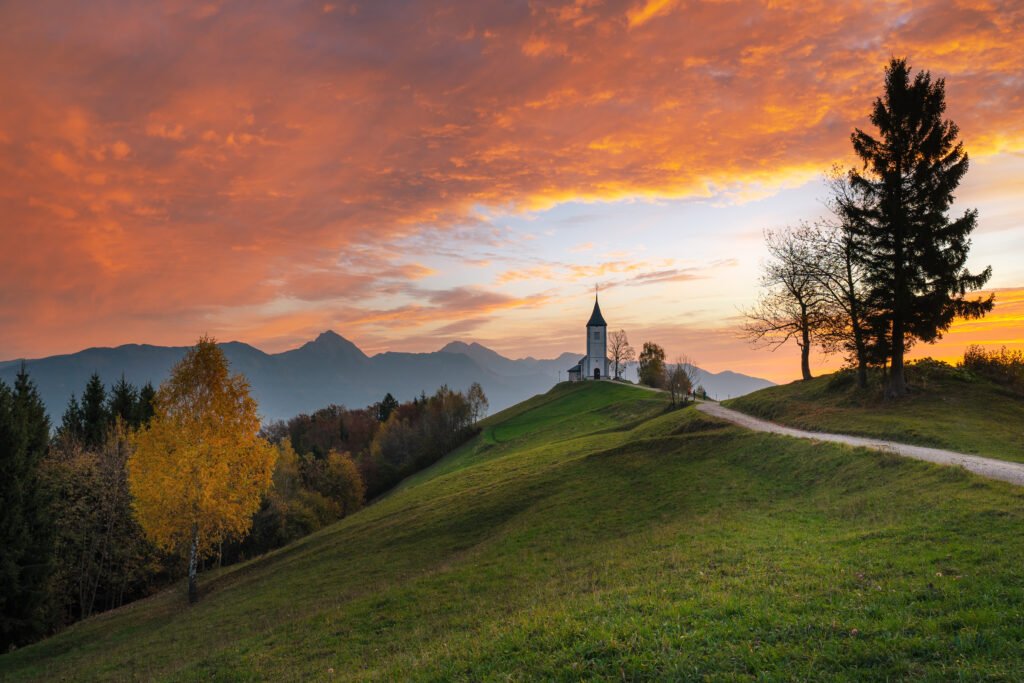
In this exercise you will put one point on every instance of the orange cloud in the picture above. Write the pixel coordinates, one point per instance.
(167, 168)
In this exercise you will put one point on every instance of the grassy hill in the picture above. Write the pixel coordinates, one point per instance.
(588, 533)
(948, 408)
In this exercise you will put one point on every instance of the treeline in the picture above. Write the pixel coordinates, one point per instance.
(72, 541)
(888, 268)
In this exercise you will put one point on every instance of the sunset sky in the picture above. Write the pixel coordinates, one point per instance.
(409, 173)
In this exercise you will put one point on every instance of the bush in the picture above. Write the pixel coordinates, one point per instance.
(841, 379)
(1005, 367)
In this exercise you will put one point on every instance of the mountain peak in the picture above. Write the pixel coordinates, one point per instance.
(332, 343)
(330, 337)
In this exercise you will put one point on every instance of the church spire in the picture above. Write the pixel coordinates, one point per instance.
(596, 319)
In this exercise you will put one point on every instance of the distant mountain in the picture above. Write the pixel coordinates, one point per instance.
(329, 369)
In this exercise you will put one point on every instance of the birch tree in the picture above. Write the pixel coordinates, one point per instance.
(199, 469)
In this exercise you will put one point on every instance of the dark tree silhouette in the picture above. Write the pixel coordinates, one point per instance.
(26, 533)
(913, 254)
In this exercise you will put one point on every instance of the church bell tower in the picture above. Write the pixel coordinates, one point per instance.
(596, 365)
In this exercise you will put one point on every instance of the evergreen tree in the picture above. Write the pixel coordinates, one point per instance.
(144, 407)
(73, 422)
(26, 535)
(385, 407)
(123, 402)
(95, 416)
(914, 255)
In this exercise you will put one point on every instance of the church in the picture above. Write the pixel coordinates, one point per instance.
(595, 364)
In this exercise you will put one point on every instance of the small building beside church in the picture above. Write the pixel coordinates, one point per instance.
(594, 365)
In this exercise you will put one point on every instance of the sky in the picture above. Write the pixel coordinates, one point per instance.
(411, 173)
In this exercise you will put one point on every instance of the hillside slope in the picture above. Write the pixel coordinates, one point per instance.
(588, 533)
(947, 409)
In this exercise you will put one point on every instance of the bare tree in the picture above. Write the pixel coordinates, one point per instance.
(793, 304)
(839, 270)
(620, 350)
(679, 379)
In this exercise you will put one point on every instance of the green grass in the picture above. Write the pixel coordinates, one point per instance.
(590, 534)
(947, 409)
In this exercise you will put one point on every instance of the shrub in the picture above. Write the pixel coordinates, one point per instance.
(1004, 366)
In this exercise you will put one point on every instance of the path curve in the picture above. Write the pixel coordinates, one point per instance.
(986, 467)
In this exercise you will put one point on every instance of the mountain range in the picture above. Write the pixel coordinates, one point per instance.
(331, 369)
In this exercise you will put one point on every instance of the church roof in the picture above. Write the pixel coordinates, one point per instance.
(596, 319)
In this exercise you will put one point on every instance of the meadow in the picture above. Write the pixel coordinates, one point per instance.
(592, 532)
(948, 408)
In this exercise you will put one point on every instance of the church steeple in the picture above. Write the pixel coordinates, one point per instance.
(596, 319)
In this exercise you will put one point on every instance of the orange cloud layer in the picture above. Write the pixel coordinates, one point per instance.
(168, 169)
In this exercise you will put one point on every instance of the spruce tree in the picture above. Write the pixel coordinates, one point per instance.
(72, 422)
(123, 402)
(914, 254)
(95, 416)
(144, 406)
(26, 534)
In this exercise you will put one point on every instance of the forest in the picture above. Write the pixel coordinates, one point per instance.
(71, 521)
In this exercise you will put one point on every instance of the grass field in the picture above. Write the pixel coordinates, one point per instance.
(947, 409)
(590, 534)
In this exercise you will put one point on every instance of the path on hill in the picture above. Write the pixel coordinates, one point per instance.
(986, 467)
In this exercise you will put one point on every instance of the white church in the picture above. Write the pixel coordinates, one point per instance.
(595, 364)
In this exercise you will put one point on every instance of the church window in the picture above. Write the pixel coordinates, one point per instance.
(597, 335)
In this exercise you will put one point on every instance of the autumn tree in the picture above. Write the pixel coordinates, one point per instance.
(620, 350)
(652, 365)
(102, 557)
(914, 253)
(792, 304)
(478, 402)
(199, 469)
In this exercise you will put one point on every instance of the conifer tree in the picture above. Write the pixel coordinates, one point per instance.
(144, 407)
(913, 253)
(123, 399)
(26, 534)
(95, 416)
(72, 422)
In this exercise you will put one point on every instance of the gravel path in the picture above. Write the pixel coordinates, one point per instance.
(986, 467)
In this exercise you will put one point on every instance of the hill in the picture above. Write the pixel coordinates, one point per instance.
(589, 533)
(948, 408)
(329, 369)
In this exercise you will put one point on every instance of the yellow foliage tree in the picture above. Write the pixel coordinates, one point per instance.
(199, 469)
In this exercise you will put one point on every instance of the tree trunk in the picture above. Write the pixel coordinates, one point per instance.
(193, 558)
(897, 381)
(805, 347)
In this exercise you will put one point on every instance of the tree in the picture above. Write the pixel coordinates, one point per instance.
(343, 484)
(26, 532)
(102, 557)
(199, 469)
(679, 379)
(144, 407)
(123, 402)
(478, 402)
(838, 268)
(792, 304)
(914, 255)
(384, 408)
(72, 424)
(621, 351)
(652, 365)
(95, 416)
